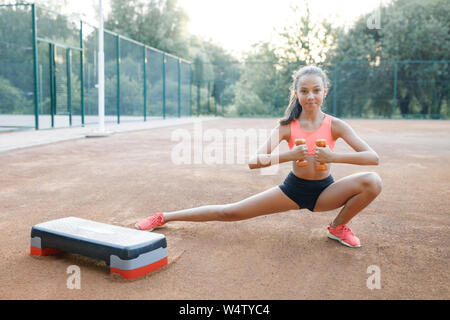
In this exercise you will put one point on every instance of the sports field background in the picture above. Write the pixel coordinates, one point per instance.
(125, 177)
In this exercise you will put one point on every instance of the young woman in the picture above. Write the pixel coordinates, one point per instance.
(306, 187)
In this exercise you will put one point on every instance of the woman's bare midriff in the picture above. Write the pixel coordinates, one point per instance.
(310, 171)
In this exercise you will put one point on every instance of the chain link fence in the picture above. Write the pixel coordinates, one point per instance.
(387, 89)
(48, 73)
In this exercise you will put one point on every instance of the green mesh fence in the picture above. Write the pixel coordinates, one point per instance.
(171, 86)
(16, 67)
(392, 89)
(422, 89)
(185, 89)
(59, 80)
(131, 80)
(90, 73)
(110, 42)
(358, 89)
(45, 83)
(75, 92)
(49, 72)
(154, 74)
(361, 90)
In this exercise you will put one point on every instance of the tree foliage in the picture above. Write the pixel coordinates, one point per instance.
(158, 23)
(411, 30)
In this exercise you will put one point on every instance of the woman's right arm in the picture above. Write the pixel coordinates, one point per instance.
(265, 158)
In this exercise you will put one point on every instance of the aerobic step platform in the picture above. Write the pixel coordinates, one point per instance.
(128, 252)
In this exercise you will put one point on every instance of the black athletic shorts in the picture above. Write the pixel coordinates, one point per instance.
(304, 192)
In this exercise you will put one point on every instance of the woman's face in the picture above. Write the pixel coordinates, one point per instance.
(311, 92)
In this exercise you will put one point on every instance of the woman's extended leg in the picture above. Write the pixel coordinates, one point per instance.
(270, 201)
(355, 192)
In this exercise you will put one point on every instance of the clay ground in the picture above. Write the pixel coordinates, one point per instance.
(125, 177)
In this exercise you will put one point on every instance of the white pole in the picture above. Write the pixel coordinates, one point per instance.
(101, 72)
(100, 132)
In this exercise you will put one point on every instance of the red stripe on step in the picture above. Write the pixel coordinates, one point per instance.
(139, 272)
(43, 252)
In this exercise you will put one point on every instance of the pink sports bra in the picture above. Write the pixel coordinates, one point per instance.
(324, 132)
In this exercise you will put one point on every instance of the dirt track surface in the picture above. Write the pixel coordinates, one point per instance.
(125, 177)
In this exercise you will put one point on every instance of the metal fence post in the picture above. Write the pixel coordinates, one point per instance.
(145, 84)
(214, 99)
(198, 98)
(335, 90)
(190, 89)
(35, 68)
(395, 88)
(52, 82)
(118, 77)
(82, 73)
(179, 88)
(164, 84)
(69, 83)
(208, 97)
(277, 99)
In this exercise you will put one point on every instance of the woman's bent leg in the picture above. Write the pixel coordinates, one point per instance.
(270, 201)
(355, 192)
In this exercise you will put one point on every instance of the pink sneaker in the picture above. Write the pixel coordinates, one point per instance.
(152, 222)
(344, 235)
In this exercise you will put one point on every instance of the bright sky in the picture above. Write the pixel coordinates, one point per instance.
(237, 24)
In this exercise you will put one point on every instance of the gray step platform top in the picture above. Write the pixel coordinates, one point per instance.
(99, 232)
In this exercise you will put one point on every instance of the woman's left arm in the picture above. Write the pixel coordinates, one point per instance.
(364, 155)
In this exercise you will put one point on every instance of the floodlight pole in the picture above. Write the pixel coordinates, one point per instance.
(100, 132)
(101, 72)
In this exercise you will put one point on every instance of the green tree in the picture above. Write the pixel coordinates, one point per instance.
(409, 30)
(158, 23)
(16, 51)
(304, 40)
(16, 56)
(257, 91)
(12, 100)
(214, 70)
(419, 30)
